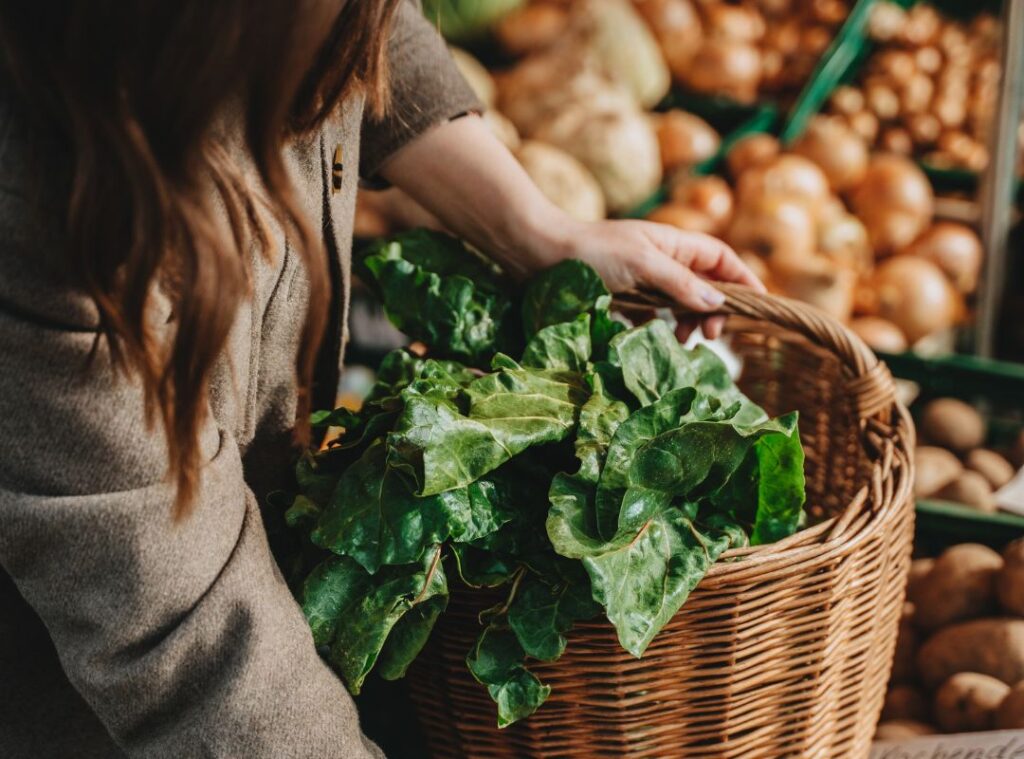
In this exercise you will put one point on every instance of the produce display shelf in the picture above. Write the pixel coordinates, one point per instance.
(996, 388)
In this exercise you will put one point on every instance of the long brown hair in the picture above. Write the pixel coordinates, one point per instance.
(137, 88)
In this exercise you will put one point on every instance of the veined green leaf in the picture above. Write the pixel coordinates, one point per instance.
(510, 410)
(497, 662)
(409, 636)
(355, 612)
(642, 578)
(376, 519)
(545, 608)
(600, 417)
(564, 346)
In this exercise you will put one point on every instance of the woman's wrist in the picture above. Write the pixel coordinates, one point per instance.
(541, 234)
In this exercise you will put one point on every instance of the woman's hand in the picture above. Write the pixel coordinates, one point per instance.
(641, 254)
(464, 176)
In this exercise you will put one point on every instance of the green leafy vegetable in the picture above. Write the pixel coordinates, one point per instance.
(602, 473)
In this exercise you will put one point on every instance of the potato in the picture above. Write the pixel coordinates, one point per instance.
(935, 468)
(960, 585)
(990, 465)
(1010, 714)
(919, 569)
(907, 641)
(952, 424)
(901, 729)
(968, 701)
(969, 489)
(904, 702)
(988, 646)
(1010, 580)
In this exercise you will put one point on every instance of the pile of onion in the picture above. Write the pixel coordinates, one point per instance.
(929, 89)
(894, 200)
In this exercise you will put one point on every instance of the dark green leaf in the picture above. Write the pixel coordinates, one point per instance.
(408, 637)
(564, 346)
(437, 290)
(560, 294)
(541, 613)
(481, 568)
(497, 662)
(302, 514)
(334, 586)
(372, 608)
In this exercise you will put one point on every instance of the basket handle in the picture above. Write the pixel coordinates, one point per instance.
(870, 384)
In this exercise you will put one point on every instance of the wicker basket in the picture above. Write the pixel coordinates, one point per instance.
(784, 651)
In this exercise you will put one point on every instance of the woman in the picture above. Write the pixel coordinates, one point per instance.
(177, 184)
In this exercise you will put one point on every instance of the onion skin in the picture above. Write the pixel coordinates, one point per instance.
(709, 196)
(788, 175)
(750, 152)
(954, 248)
(726, 67)
(879, 334)
(682, 217)
(532, 27)
(685, 140)
(915, 295)
(895, 201)
(836, 149)
(773, 224)
(564, 181)
(678, 29)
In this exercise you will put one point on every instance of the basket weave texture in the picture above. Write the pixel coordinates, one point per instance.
(782, 650)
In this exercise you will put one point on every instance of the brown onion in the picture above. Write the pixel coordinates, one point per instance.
(836, 149)
(709, 196)
(915, 295)
(733, 22)
(790, 176)
(685, 140)
(682, 217)
(879, 334)
(725, 67)
(677, 26)
(954, 248)
(895, 201)
(531, 28)
(865, 124)
(750, 152)
(770, 224)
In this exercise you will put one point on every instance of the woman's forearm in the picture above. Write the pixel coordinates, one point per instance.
(463, 175)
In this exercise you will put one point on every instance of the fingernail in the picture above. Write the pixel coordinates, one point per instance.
(712, 297)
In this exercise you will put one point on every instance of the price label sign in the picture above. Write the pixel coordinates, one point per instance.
(1003, 744)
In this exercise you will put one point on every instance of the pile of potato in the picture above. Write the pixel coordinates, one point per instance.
(959, 664)
(930, 87)
(952, 464)
(828, 223)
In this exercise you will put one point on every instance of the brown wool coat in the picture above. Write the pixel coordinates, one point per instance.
(122, 633)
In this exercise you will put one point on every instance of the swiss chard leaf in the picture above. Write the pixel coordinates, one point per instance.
(642, 578)
(600, 417)
(564, 346)
(545, 608)
(409, 636)
(497, 662)
(437, 290)
(355, 613)
(561, 294)
(510, 410)
(375, 518)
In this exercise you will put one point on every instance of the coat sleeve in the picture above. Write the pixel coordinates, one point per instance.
(182, 637)
(426, 90)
